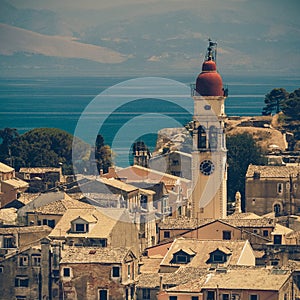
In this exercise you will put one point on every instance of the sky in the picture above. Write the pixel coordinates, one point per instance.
(148, 36)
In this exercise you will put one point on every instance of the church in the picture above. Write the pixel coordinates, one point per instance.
(209, 175)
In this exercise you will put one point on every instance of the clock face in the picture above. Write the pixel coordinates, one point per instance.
(207, 167)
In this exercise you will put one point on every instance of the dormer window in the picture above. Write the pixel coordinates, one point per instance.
(183, 256)
(79, 225)
(219, 256)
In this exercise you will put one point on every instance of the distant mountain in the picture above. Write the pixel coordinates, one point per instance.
(148, 43)
(41, 21)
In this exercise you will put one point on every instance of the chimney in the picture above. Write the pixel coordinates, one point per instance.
(238, 202)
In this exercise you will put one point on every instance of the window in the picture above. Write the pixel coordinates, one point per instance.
(173, 298)
(213, 137)
(279, 188)
(103, 294)
(218, 258)
(277, 239)
(50, 223)
(66, 272)
(79, 227)
(21, 281)
(210, 295)
(201, 138)
(226, 235)
(181, 259)
(116, 271)
(265, 233)
(23, 261)
(35, 260)
(128, 271)
(225, 297)
(277, 209)
(253, 297)
(9, 242)
(195, 298)
(20, 297)
(146, 294)
(1, 269)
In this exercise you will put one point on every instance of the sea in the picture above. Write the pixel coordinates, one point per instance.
(125, 114)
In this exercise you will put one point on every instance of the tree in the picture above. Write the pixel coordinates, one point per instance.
(8, 136)
(41, 147)
(274, 100)
(291, 106)
(242, 151)
(103, 155)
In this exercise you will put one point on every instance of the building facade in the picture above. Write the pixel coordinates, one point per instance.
(209, 149)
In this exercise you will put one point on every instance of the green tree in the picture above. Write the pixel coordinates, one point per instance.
(274, 100)
(42, 147)
(242, 151)
(103, 154)
(7, 136)
(291, 106)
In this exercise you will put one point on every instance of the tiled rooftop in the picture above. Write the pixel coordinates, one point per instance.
(202, 250)
(273, 171)
(25, 229)
(59, 207)
(237, 279)
(84, 255)
(5, 168)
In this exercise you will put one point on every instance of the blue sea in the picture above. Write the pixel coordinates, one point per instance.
(65, 102)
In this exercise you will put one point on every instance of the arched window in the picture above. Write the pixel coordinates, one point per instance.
(213, 137)
(277, 209)
(201, 137)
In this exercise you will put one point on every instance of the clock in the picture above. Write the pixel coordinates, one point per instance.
(207, 167)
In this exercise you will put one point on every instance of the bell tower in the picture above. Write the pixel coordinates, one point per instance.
(209, 175)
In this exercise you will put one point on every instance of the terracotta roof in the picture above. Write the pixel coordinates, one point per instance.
(262, 222)
(59, 207)
(273, 171)
(39, 170)
(8, 215)
(247, 215)
(236, 279)
(134, 173)
(249, 279)
(25, 229)
(83, 255)
(202, 250)
(105, 218)
(183, 223)
(5, 168)
(118, 184)
(16, 183)
(149, 280)
(150, 264)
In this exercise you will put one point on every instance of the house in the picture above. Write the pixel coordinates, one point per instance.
(257, 232)
(138, 202)
(41, 179)
(14, 239)
(176, 163)
(30, 272)
(239, 284)
(28, 213)
(50, 213)
(207, 254)
(97, 227)
(273, 189)
(10, 186)
(98, 273)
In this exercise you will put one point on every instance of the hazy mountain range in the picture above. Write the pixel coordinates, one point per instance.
(148, 37)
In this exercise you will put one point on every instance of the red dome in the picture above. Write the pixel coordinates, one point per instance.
(209, 81)
(209, 65)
